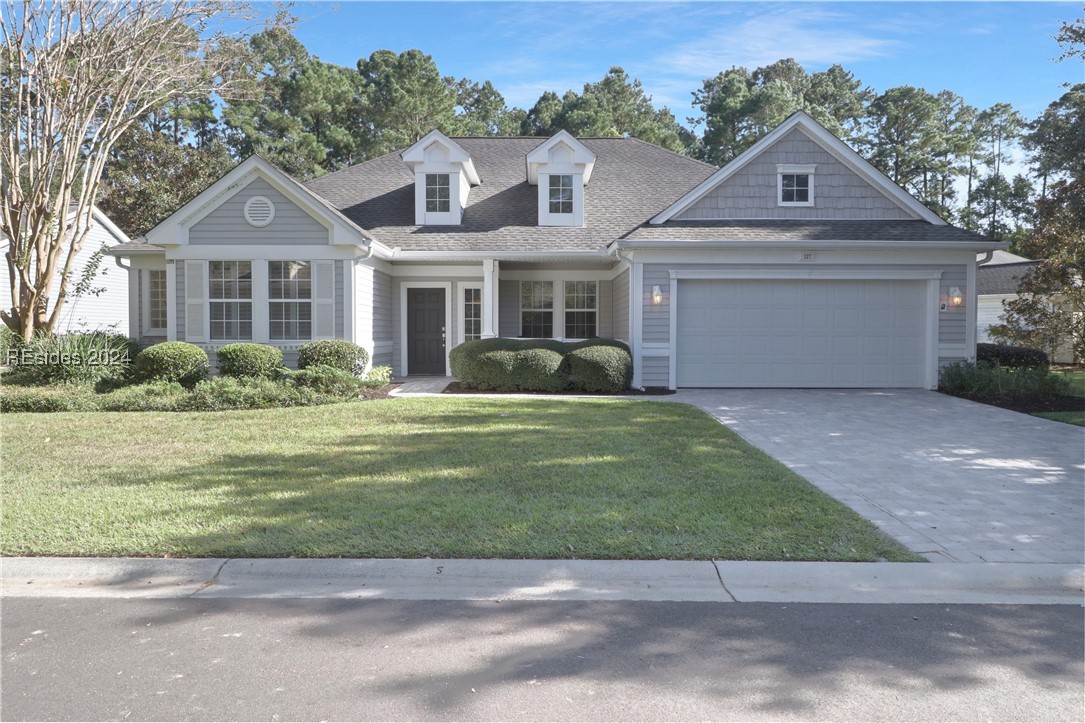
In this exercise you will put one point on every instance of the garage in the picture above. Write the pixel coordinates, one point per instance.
(801, 333)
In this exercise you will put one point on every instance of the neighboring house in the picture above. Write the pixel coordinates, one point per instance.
(796, 265)
(104, 304)
(999, 280)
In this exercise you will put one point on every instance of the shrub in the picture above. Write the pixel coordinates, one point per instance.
(47, 399)
(250, 360)
(510, 365)
(1015, 357)
(172, 361)
(9, 341)
(324, 379)
(230, 393)
(149, 397)
(990, 382)
(378, 377)
(342, 355)
(75, 358)
(600, 368)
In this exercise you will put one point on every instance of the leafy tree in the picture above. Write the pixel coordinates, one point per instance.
(150, 176)
(483, 111)
(403, 97)
(302, 113)
(1056, 140)
(74, 77)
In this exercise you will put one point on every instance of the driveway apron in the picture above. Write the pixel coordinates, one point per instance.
(953, 480)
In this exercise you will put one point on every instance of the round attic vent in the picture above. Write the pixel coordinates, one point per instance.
(259, 210)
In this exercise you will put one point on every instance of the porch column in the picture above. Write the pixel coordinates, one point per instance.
(490, 275)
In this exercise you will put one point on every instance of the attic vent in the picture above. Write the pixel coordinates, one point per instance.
(259, 211)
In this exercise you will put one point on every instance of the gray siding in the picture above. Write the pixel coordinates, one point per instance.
(953, 322)
(839, 193)
(508, 308)
(605, 306)
(655, 371)
(340, 331)
(620, 302)
(179, 299)
(382, 316)
(657, 319)
(227, 225)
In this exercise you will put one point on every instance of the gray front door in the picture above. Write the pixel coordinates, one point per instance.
(426, 331)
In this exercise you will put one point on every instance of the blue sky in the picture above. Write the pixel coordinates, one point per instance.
(986, 52)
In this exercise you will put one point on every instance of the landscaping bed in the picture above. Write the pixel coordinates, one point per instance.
(429, 477)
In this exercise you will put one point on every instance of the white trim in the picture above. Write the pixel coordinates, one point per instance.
(403, 346)
(558, 274)
(249, 252)
(780, 202)
(636, 312)
(602, 255)
(107, 223)
(804, 244)
(813, 274)
(830, 143)
(491, 274)
(971, 309)
(350, 318)
(171, 301)
(461, 311)
(672, 343)
(933, 297)
(539, 157)
(472, 271)
(656, 350)
(145, 303)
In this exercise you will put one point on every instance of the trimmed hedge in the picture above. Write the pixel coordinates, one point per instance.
(542, 365)
(1014, 357)
(48, 399)
(172, 361)
(250, 360)
(342, 355)
(600, 369)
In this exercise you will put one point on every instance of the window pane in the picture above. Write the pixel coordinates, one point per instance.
(290, 320)
(580, 324)
(561, 194)
(438, 193)
(231, 320)
(472, 314)
(157, 297)
(537, 324)
(537, 295)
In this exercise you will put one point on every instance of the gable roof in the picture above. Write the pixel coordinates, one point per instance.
(632, 180)
(342, 229)
(1004, 257)
(1003, 278)
(832, 145)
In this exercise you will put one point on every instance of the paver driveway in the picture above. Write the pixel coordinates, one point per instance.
(950, 479)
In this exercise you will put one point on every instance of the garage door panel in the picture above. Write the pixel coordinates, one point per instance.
(795, 333)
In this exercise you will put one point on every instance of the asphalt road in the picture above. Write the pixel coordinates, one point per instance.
(324, 659)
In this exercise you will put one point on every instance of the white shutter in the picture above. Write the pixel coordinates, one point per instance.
(323, 299)
(195, 301)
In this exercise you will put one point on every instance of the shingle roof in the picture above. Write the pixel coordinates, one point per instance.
(130, 247)
(632, 181)
(805, 230)
(1003, 278)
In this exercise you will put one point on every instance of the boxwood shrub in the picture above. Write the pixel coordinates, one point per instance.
(172, 361)
(340, 354)
(542, 365)
(600, 368)
(250, 360)
(1015, 357)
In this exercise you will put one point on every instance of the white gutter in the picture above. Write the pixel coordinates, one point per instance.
(666, 244)
(400, 255)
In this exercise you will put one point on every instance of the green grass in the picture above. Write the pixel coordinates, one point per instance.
(1077, 381)
(463, 477)
(1077, 418)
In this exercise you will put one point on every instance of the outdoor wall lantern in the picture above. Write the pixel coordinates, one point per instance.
(657, 295)
(956, 298)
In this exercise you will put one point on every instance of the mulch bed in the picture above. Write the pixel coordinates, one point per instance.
(381, 393)
(1032, 406)
(456, 388)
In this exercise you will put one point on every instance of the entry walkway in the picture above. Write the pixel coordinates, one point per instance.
(951, 479)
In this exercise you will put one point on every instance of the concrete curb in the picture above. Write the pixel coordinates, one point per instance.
(646, 580)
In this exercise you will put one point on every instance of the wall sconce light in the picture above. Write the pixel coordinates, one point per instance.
(657, 295)
(956, 298)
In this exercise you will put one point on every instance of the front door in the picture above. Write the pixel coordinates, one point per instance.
(426, 331)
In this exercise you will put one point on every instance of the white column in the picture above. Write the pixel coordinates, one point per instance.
(171, 301)
(490, 276)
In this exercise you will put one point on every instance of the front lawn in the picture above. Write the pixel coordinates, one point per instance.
(461, 477)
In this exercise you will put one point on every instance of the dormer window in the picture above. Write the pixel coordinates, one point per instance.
(795, 184)
(443, 176)
(437, 193)
(561, 194)
(561, 167)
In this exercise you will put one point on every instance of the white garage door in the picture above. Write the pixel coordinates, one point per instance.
(792, 333)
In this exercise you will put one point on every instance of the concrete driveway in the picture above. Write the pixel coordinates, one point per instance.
(953, 480)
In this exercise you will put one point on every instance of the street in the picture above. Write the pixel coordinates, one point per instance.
(336, 659)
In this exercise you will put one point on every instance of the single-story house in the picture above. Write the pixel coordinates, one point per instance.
(103, 306)
(796, 265)
(999, 280)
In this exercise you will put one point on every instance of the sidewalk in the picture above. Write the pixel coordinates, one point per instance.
(646, 580)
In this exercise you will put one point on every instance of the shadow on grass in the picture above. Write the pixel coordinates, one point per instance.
(477, 478)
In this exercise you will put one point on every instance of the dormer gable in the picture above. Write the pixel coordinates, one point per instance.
(561, 167)
(443, 176)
